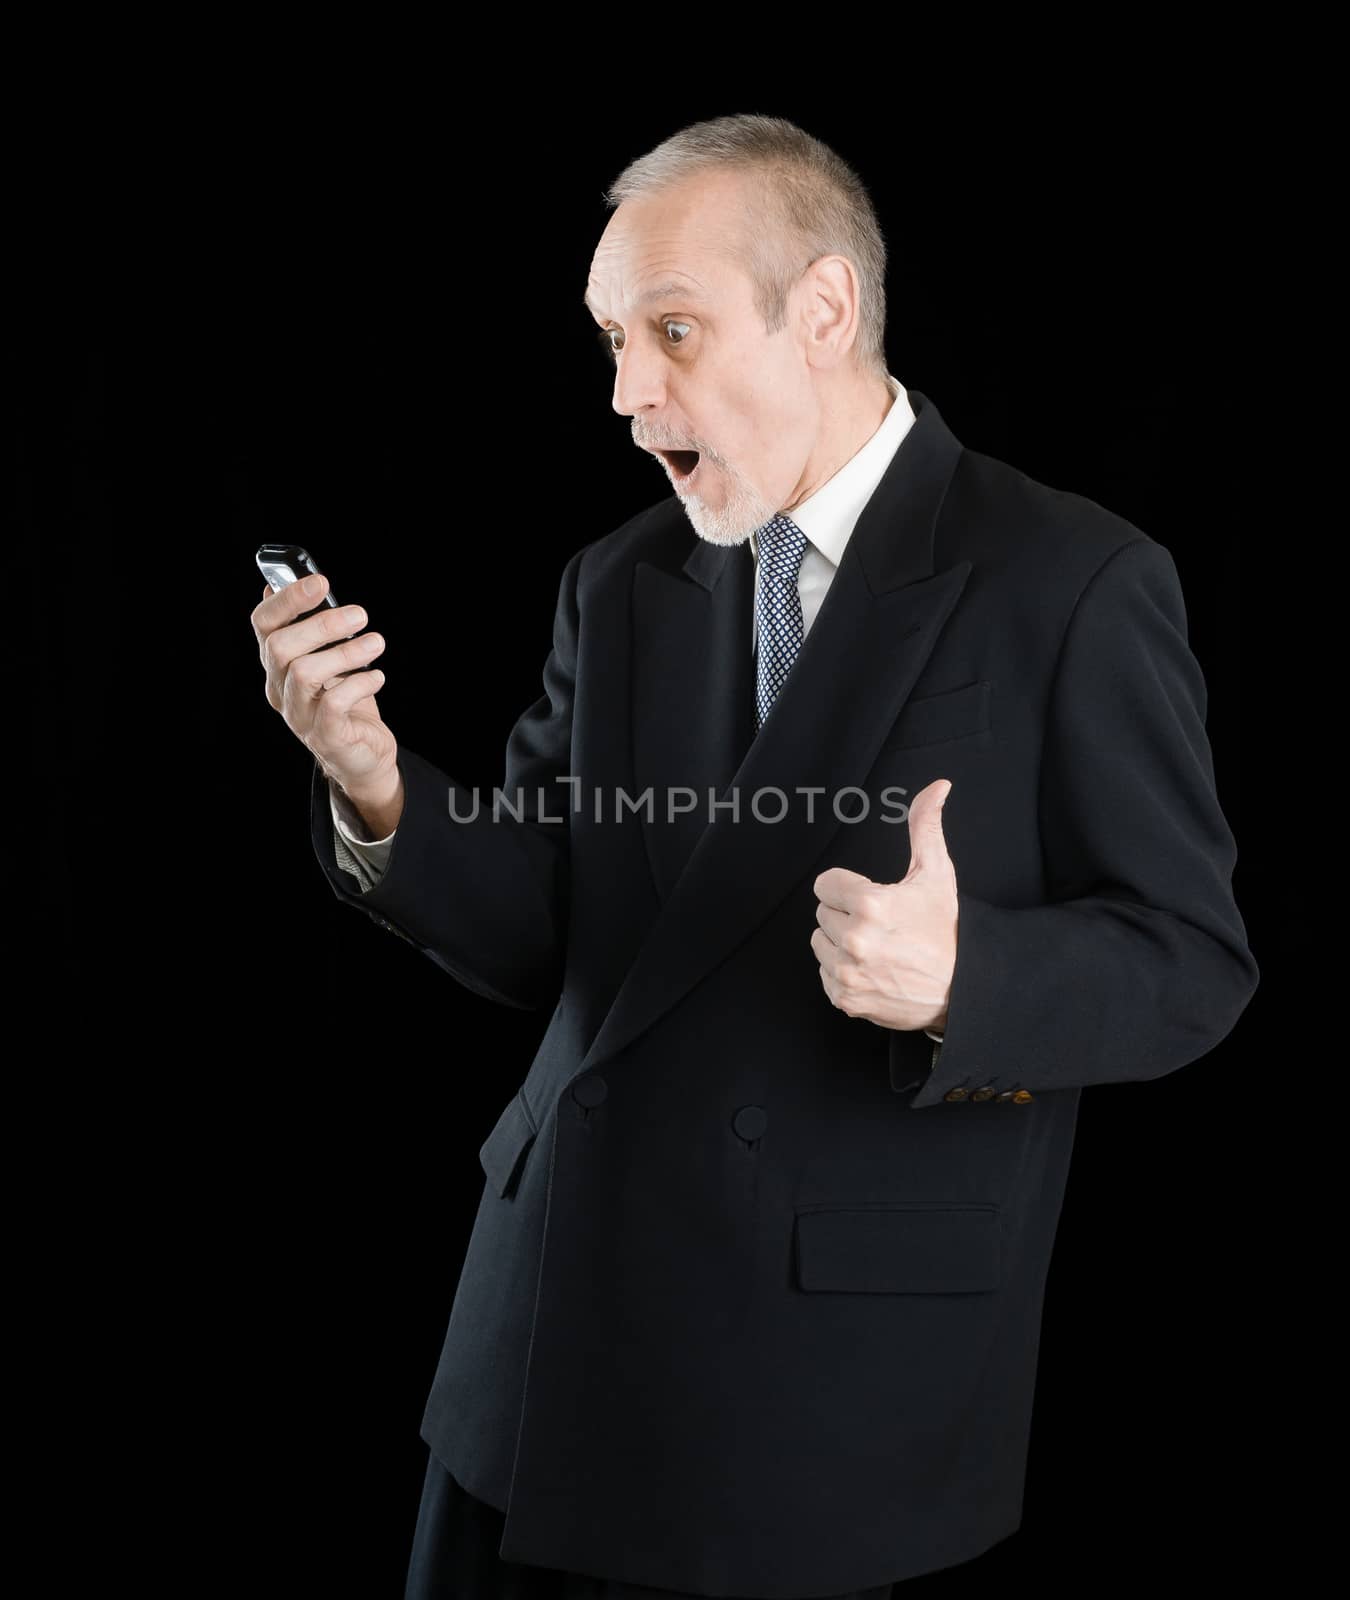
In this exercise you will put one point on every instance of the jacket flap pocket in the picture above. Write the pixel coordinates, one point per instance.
(900, 1249)
(503, 1148)
(934, 718)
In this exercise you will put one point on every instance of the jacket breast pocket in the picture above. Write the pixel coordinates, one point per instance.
(939, 718)
(503, 1151)
(899, 1248)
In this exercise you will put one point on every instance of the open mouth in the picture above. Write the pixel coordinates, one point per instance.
(682, 462)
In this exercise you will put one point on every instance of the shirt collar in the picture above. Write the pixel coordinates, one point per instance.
(828, 517)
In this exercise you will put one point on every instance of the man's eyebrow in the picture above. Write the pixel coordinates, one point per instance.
(672, 286)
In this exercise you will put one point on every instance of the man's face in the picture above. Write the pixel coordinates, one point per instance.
(695, 369)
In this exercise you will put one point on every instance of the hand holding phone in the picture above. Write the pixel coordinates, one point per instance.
(284, 564)
(320, 680)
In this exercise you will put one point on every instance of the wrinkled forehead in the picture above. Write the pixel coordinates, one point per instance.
(688, 240)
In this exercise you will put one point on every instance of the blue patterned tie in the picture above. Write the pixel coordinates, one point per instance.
(778, 609)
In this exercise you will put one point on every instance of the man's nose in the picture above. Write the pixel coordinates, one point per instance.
(639, 381)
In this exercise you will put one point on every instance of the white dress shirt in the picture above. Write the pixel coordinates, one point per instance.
(827, 518)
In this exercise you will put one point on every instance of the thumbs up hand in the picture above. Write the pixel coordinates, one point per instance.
(887, 951)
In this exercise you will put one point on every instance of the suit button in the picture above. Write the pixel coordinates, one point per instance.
(750, 1121)
(984, 1092)
(590, 1091)
(1006, 1095)
(956, 1094)
(1022, 1096)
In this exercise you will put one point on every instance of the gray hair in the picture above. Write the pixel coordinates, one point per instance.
(803, 201)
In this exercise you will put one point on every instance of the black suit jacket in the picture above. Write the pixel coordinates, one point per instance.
(752, 1300)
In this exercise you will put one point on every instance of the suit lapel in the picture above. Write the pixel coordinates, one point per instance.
(692, 709)
(693, 686)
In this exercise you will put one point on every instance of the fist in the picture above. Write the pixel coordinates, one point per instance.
(887, 951)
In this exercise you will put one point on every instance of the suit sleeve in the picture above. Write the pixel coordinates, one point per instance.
(480, 882)
(1138, 962)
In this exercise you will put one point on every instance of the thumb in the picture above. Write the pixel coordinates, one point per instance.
(927, 842)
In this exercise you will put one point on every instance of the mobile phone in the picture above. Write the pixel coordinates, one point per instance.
(281, 564)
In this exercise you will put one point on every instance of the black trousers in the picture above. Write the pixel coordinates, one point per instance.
(454, 1557)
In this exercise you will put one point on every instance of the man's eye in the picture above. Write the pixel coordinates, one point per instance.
(612, 350)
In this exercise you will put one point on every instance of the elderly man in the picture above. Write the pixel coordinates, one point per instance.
(866, 818)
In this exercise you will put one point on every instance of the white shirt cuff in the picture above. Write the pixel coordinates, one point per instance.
(365, 858)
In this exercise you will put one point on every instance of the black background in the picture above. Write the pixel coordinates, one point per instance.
(265, 1166)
